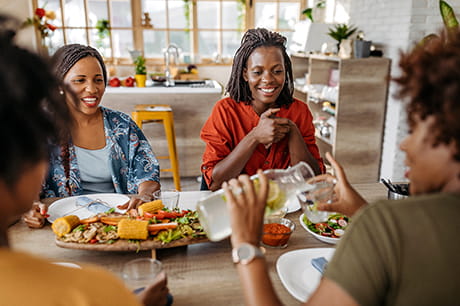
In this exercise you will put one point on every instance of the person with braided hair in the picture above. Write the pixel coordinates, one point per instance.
(260, 124)
(106, 151)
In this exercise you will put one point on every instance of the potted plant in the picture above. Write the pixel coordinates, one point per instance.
(317, 13)
(141, 71)
(341, 32)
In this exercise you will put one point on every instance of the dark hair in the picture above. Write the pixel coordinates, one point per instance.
(68, 55)
(237, 87)
(430, 81)
(32, 112)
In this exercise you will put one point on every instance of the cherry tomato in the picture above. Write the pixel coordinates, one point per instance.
(321, 226)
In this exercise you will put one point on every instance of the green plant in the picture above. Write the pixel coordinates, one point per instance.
(103, 28)
(309, 11)
(448, 18)
(341, 31)
(139, 63)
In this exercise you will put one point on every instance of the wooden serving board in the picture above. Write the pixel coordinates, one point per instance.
(125, 245)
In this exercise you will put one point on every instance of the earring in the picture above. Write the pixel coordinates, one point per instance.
(61, 92)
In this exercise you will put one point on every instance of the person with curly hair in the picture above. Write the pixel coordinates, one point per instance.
(260, 124)
(395, 252)
(32, 114)
(106, 151)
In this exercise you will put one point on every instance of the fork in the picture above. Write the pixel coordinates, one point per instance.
(87, 205)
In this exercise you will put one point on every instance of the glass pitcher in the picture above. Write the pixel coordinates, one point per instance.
(283, 186)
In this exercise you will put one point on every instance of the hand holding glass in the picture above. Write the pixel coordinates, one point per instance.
(283, 184)
(318, 192)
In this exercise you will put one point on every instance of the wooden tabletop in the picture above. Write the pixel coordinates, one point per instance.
(199, 274)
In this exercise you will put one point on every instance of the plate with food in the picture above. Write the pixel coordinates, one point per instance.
(329, 231)
(150, 226)
(85, 206)
(297, 273)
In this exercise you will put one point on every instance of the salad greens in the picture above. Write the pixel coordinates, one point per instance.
(333, 228)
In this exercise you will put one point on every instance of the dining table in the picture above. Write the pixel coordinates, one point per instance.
(198, 274)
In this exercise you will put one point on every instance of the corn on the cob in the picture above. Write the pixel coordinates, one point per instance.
(133, 229)
(150, 207)
(65, 225)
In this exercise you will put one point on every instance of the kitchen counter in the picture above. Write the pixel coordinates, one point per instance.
(191, 108)
(209, 86)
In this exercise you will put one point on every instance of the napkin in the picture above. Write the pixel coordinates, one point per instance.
(95, 206)
(319, 264)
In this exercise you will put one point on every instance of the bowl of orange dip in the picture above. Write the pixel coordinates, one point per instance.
(276, 232)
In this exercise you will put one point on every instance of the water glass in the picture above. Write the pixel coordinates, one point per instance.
(170, 198)
(140, 273)
(318, 192)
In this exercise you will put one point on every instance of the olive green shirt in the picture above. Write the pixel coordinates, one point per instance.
(404, 252)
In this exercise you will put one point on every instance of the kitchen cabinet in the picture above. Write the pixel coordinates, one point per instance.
(347, 98)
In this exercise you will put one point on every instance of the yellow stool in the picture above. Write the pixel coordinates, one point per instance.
(161, 113)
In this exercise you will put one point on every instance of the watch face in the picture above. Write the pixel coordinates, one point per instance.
(244, 252)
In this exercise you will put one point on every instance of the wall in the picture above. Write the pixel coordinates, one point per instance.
(396, 25)
(20, 9)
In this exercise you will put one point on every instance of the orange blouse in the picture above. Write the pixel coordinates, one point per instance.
(230, 122)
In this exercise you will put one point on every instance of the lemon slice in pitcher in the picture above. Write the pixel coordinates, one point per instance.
(275, 199)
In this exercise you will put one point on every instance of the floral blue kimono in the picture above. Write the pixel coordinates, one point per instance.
(131, 160)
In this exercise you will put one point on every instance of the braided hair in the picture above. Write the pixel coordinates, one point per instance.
(32, 112)
(67, 56)
(237, 87)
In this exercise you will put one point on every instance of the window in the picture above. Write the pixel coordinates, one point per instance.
(206, 31)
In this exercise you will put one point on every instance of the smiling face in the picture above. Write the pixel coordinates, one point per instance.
(86, 81)
(430, 168)
(266, 75)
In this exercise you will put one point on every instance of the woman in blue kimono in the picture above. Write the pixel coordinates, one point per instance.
(106, 151)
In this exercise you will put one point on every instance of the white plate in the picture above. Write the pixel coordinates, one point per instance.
(319, 237)
(297, 274)
(67, 264)
(293, 205)
(67, 206)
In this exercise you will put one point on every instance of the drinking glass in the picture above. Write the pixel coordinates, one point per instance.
(170, 198)
(319, 192)
(140, 273)
(283, 184)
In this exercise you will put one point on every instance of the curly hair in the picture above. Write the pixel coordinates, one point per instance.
(430, 81)
(237, 87)
(32, 112)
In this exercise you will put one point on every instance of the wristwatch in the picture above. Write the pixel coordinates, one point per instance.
(245, 253)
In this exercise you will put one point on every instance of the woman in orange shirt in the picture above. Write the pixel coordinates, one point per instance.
(260, 125)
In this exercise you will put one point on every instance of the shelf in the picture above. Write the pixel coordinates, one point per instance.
(362, 84)
(322, 138)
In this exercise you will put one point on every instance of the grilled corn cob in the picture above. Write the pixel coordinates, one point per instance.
(65, 225)
(133, 229)
(150, 207)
